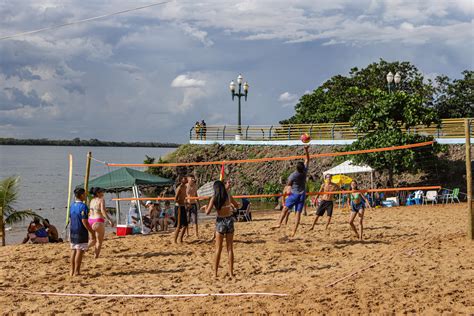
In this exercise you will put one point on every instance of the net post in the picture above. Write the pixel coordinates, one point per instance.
(2, 226)
(470, 210)
(86, 178)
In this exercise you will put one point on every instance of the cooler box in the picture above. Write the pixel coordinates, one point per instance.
(124, 230)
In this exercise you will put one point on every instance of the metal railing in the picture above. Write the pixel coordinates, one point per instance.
(449, 128)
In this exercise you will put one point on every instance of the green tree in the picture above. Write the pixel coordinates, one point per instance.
(455, 98)
(385, 122)
(159, 171)
(337, 99)
(8, 198)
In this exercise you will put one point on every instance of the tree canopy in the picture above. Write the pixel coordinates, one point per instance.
(340, 97)
(455, 98)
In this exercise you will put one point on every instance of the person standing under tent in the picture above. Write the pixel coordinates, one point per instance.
(224, 204)
(297, 197)
(327, 200)
(79, 230)
(357, 202)
(98, 214)
(180, 209)
(154, 214)
(193, 204)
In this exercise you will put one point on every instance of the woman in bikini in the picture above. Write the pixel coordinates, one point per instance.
(97, 217)
(223, 203)
(358, 202)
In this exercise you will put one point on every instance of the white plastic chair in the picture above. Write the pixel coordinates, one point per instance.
(431, 196)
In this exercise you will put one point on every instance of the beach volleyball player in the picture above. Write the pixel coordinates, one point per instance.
(297, 197)
(79, 230)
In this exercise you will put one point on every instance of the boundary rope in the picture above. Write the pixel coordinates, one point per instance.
(229, 162)
(281, 194)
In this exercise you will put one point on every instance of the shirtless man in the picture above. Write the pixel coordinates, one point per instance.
(180, 205)
(53, 234)
(193, 205)
(327, 200)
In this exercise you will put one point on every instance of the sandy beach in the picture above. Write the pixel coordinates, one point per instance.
(413, 260)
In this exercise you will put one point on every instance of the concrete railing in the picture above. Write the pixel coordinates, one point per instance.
(449, 128)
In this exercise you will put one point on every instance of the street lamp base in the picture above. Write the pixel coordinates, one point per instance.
(237, 137)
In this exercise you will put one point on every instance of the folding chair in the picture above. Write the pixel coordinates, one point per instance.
(244, 214)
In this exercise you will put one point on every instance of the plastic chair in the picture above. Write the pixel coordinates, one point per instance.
(431, 196)
(244, 214)
(454, 196)
(443, 196)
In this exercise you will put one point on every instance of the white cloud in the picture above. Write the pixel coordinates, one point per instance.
(196, 33)
(120, 69)
(288, 99)
(186, 81)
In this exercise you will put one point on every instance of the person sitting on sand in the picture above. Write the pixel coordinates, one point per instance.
(297, 181)
(357, 203)
(98, 215)
(79, 230)
(327, 200)
(37, 234)
(53, 234)
(180, 201)
(223, 203)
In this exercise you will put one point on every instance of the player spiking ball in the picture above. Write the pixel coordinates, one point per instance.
(297, 182)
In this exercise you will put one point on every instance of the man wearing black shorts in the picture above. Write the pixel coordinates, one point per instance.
(180, 209)
(192, 204)
(327, 200)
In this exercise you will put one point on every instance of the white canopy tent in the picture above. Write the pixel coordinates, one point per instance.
(348, 167)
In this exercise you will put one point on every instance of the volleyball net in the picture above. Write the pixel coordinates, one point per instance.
(397, 170)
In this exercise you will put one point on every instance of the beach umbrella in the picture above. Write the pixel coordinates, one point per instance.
(206, 189)
(341, 179)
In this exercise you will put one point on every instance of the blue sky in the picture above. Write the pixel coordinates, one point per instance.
(148, 75)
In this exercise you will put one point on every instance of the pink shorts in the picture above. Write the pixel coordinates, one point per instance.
(92, 221)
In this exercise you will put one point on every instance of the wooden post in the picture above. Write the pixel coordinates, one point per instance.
(86, 178)
(2, 226)
(117, 209)
(467, 129)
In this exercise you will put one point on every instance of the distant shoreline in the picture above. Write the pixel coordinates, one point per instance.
(83, 143)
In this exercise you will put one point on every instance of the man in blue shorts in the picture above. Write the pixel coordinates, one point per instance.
(297, 197)
(80, 229)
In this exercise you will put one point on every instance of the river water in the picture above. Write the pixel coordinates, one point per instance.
(43, 172)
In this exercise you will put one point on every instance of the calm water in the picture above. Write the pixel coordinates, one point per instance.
(44, 176)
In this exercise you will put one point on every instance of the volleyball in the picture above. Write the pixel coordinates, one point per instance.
(305, 138)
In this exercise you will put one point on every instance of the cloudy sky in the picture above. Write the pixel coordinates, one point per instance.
(148, 75)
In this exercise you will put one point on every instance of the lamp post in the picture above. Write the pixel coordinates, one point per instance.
(393, 81)
(239, 94)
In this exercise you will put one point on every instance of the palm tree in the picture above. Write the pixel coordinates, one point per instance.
(8, 197)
